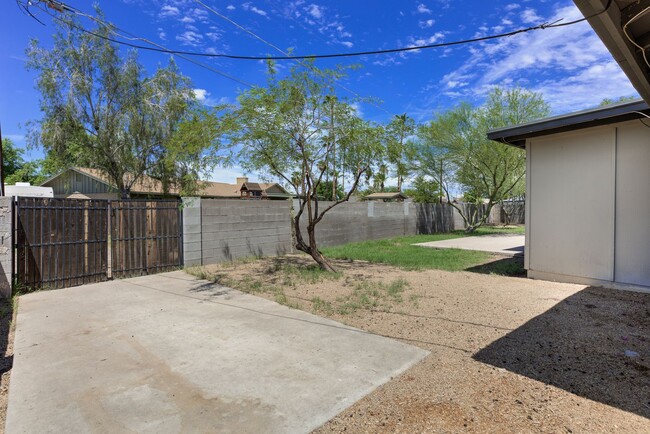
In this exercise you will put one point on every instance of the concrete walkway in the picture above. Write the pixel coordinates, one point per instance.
(171, 354)
(506, 244)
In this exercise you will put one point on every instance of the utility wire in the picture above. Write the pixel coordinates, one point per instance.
(337, 55)
(300, 61)
(131, 36)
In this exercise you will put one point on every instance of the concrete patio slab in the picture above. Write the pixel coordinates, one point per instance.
(506, 244)
(168, 353)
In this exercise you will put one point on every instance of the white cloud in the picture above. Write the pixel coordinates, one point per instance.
(426, 24)
(512, 6)
(529, 16)
(187, 19)
(230, 175)
(201, 94)
(168, 11)
(423, 9)
(231, 7)
(347, 44)
(315, 11)
(356, 108)
(569, 65)
(161, 34)
(248, 6)
(214, 36)
(190, 38)
(577, 91)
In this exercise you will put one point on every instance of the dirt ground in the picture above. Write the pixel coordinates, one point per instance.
(7, 321)
(508, 354)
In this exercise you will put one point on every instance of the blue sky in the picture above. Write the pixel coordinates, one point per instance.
(568, 65)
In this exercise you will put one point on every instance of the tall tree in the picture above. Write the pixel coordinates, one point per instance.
(15, 168)
(455, 152)
(100, 110)
(399, 150)
(286, 131)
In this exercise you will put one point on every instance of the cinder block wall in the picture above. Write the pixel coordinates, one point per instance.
(6, 247)
(359, 221)
(234, 229)
(221, 230)
(192, 230)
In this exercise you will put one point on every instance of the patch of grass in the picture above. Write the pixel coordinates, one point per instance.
(371, 295)
(310, 273)
(401, 252)
(320, 305)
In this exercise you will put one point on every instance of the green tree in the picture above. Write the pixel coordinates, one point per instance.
(15, 168)
(285, 130)
(455, 152)
(100, 110)
(424, 190)
(399, 150)
(608, 101)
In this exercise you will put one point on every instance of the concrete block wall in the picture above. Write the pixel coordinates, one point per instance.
(192, 238)
(234, 229)
(359, 221)
(6, 247)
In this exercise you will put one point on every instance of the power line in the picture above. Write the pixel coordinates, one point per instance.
(300, 61)
(340, 55)
(111, 28)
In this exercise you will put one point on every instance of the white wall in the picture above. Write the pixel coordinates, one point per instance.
(632, 258)
(588, 213)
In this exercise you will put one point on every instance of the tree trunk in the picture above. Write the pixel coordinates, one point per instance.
(311, 249)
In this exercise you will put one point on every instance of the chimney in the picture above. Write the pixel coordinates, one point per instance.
(242, 180)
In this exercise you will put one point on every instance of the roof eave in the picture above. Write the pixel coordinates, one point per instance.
(516, 135)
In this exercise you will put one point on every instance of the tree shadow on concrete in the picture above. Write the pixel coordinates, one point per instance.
(580, 346)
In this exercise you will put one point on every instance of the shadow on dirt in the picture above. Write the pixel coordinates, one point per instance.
(595, 344)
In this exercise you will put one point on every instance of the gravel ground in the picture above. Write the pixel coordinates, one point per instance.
(508, 355)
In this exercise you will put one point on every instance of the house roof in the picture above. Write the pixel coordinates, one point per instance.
(251, 186)
(143, 185)
(149, 185)
(387, 195)
(516, 135)
(225, 190)
(608, 18)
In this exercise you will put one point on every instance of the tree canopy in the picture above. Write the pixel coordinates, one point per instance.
(455, 152)
(297, 130)
(101, 110)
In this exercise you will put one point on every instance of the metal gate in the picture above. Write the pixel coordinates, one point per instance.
(70, 242)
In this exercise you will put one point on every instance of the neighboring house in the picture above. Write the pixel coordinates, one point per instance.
(387, 197)
(84, 183)
(243, 189)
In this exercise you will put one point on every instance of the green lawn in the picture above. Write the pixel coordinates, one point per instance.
(401, 252)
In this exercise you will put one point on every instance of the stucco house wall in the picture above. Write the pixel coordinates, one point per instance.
(589, 217)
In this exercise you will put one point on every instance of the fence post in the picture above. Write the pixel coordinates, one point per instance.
(6, 246)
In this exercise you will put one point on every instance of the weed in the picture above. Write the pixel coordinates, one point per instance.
(320, 305)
